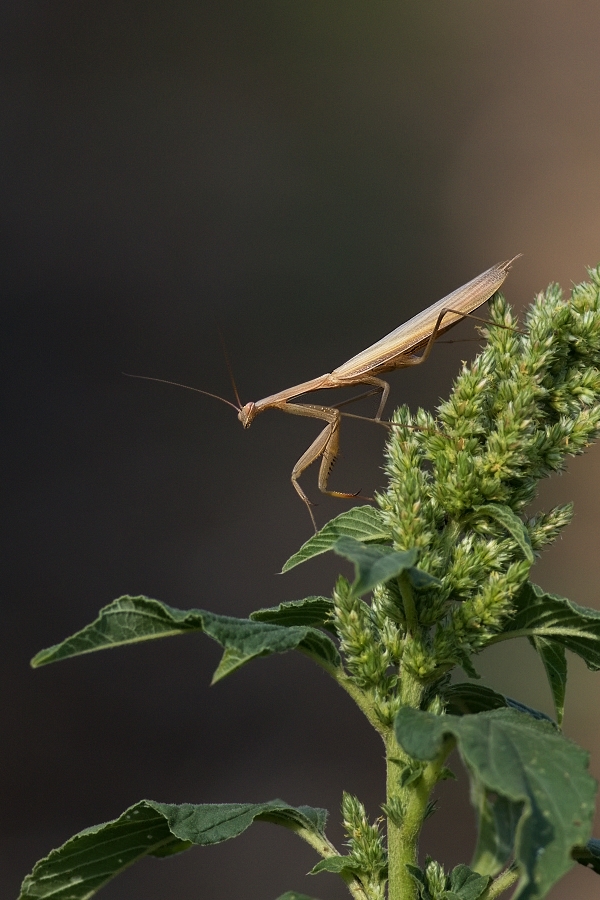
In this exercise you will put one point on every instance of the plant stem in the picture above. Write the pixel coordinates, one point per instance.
(403, 837)
(410, 801)
(500, 884)
(401, 885)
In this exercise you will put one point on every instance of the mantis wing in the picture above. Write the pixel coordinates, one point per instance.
(387, 353)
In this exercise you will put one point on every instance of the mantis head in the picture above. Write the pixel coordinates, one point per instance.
(247, 414)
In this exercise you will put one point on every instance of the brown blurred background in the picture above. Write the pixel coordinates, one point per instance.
(310, 175)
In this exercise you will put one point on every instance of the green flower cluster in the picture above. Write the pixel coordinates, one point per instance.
(459, 485)
(529, 400)
(365, 843)
(435, 880)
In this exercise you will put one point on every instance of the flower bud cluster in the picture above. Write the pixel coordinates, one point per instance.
(359, 641)
(528, 401)
(365, 844)
(544, 528)
(435, 879)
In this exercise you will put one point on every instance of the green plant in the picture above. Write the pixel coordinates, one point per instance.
(445, 558)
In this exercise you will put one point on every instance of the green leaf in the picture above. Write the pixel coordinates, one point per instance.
(467, 884)
(376, 565)
(465, 698)
(373, 565)
(313, 611)
(294, 895)
(554, 659)
(526, 765)
(335, 864)
(129, 620)
(509, 520)
(418, 876)
(499, 819)
(539, 614)
(530, 711)
(86, 862)
(589, 855)
(363, 523)
(466, 664)
(410, 774)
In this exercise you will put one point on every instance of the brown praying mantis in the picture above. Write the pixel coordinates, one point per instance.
(397, 350)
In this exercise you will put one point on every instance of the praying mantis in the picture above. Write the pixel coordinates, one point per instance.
(397, 350)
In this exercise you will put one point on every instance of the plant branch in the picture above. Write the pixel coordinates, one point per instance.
(500, 884)
(362, 700)
(326, 849)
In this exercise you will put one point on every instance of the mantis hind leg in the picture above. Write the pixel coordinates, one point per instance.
(417, 360)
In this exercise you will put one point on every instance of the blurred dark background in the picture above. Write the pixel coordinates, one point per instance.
(310, 175)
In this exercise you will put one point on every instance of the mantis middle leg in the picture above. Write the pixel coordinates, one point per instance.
(380, 387)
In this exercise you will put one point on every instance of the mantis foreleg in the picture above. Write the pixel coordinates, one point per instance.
(325, 445)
